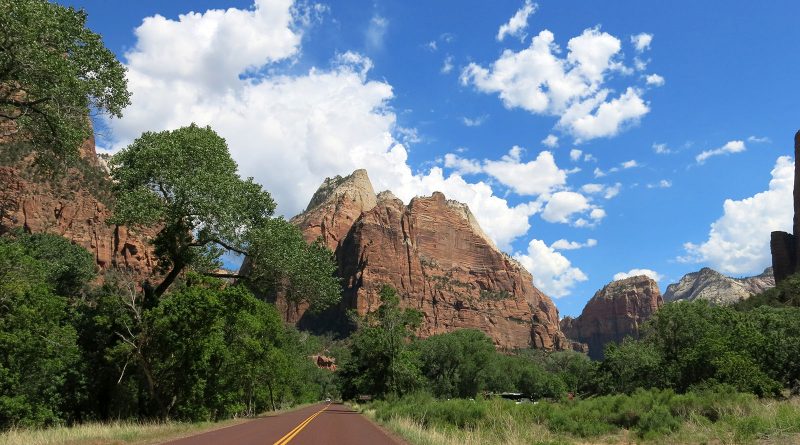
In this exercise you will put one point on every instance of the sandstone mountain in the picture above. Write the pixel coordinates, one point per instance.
(616, 311)
(710, 285)
(436, 256)
(74, 206)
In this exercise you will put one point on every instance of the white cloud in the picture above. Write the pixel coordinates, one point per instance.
(636, 272)
(599, 173)
(474, 122)
(431, 46)
(662, 149)
(575, 154)
(322, 123)
(592, 188)
(536, 79)
(642, 41)
(662, 184)
(562, 205)
(607, 191)
(597, 214)
(447, 65)
(518, 23)
(588, 157)
(629, 164)
(612, 191)
(738, 242)
(552, 272)
(550, 141)
(376, 32)
(730, 147)
(563, 244)
(655, 80)
(759, 140)
(461, 165)
(526, 178)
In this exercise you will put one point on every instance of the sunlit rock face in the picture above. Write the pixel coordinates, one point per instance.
(616, 311)
(437, 257)
(710, 285)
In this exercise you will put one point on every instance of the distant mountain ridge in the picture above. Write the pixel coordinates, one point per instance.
(709, 285)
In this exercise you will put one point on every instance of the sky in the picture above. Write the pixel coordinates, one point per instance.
(592, 140)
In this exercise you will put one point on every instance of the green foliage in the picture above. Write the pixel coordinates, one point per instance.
(68, 267)
(454, 363)
(381, 362)
(38, 351)
(53, 70)
(785, 294)
(186, 181)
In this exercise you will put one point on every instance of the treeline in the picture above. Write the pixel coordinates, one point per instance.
(684, 347)
(72, 352)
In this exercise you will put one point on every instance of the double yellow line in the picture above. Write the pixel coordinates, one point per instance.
(290, 435)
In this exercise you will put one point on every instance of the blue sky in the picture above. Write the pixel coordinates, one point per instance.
(437, 95)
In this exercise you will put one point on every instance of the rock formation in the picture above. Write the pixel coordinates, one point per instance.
(710, 285)
(75, 208)
(785, 247)
(436, 256)
(616, 311)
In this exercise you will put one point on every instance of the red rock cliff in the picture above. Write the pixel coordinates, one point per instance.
(73, 208)
(616, 311)
(437, 257)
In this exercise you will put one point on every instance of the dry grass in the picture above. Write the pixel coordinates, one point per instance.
(118, 433)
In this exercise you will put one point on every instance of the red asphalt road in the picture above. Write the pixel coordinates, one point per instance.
(336, 424)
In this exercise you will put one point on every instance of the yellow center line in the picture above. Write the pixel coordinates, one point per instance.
(290, 435)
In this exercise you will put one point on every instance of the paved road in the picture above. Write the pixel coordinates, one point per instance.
(320, 424)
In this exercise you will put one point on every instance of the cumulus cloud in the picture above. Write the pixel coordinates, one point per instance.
(447, 65)
(218, 68)
(461, 165)
(563, 244)
(562, 205)
(738, 242)
(552, 272)
(550, 141)
(642, 41)
(629, 164)
(636, 272)
(655, 80)
(526, 178)
(606, 191)
(729, 147)
(575, 154)
(518, 23)
(572, 87)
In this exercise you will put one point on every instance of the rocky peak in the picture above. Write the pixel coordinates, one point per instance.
(716, 288)
(335, 206)
(435, 254)
(614, 312)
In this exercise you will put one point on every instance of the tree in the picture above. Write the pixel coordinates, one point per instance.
(53, 71)
(454, 363)
(381, 361)
(186, 181)
(39, 357)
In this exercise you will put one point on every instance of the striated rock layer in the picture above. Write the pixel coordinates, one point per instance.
(710, 285)
(436, 256)
(73, 207)
(616, 311)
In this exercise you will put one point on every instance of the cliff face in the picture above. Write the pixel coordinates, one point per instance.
(616, 311)
(439, 260)
(73, 207)
(710, 285)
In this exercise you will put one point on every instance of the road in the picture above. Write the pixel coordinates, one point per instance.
(320, 424)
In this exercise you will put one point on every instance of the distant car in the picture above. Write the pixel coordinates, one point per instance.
(328, 399)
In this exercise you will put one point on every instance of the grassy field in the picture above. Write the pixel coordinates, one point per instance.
(648, 417)
(117, 433)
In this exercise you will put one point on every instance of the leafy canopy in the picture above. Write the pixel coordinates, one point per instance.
(186, 181)
(53, 70)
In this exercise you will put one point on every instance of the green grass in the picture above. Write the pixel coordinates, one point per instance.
(712, 417)
(117, 433)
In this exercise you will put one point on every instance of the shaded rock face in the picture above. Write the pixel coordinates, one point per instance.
(434, 253)
(616, 311)
(73, 210)
(710, 285)
(785, 247)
